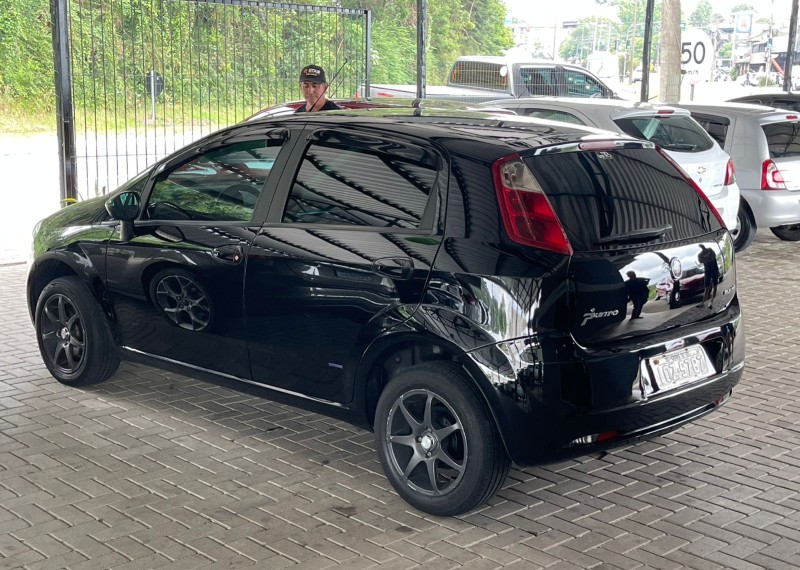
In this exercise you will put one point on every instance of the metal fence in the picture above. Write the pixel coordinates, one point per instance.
(138, 79)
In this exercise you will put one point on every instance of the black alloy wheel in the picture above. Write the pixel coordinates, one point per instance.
(438, 445)
(787, 233)
(73, 334)
(182, 299)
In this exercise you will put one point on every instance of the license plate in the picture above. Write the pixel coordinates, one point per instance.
(673, 369)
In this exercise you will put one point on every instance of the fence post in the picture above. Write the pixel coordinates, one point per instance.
(65, 119)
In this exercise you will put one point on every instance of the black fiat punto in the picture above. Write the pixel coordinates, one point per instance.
(476, 289)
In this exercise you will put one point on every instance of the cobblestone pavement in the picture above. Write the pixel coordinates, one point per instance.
(157, 470)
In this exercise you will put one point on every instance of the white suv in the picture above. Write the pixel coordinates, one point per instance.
(671, 128)
(765, 146)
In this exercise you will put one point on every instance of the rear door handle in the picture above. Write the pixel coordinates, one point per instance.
(228, 253)
(394, 267)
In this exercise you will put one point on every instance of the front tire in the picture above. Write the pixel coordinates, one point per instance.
(439, 447)
(787, 233)
(73, 334)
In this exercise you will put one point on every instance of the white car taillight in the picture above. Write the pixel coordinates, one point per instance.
(771, 177)
(730, 173)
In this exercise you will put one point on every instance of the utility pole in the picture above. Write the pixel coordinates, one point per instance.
(790, 47)
(670, 60)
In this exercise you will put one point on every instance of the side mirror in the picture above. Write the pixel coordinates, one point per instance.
(125, 208)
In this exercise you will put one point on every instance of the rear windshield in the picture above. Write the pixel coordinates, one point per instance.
(783, 139)
(604, 198)
(671, 132)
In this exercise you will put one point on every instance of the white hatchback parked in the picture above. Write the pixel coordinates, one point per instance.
(765, 146)
(671, 128)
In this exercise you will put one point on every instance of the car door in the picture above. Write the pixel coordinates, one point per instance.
(344, 256)
(177, 286)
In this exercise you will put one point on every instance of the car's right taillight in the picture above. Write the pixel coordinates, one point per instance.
(730, 173)
(528, 217)
(771, 177)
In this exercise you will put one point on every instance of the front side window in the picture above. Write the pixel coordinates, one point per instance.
(671, 132)
(581, 85)
(358, 185)
(222, 184)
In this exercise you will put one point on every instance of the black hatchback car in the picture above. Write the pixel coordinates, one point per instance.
(476, 289)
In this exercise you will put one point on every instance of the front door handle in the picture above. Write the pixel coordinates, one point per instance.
(228, 253)
(394, 267)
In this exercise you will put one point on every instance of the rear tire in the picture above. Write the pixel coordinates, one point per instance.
(439, 446)
(745, 230)
(73, 334)
(787, 233)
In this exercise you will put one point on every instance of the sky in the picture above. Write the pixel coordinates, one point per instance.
(547, 12)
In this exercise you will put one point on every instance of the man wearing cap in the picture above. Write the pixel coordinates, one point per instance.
(313, 85)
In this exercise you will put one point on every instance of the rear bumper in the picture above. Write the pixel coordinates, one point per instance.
(773, 207)
(551, 412)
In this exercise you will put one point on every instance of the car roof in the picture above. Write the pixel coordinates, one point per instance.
(516, 60)
(587, 102)
(290, 107)
(759, 113)
(517, 132)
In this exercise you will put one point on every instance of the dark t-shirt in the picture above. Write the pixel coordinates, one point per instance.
(328, 106)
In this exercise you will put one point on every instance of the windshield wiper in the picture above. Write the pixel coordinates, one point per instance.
(638, 236)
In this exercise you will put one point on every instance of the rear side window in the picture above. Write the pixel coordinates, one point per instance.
(479, 74)
(671, 132)
(783, 139)
(539, 81)
(714, 125)
(354, 181)
(553, 115)
(603, 198)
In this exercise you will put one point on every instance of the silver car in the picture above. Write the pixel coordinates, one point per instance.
(764, 144)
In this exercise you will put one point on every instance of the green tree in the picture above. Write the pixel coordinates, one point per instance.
(703, 15)
(742, 8)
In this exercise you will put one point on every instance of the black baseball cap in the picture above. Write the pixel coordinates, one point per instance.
(312, 74)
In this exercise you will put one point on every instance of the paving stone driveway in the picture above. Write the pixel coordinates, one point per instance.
(156, 470)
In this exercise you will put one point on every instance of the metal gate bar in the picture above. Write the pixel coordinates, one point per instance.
(138, 79)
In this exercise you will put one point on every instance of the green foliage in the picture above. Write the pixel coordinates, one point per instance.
(221, 62)
(703, 15)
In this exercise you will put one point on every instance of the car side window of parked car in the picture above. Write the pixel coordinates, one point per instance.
(552, 115)
(539, 80)
(714, 125)
(581, 85)
(672, 132)
(353, 181)
(221, 184)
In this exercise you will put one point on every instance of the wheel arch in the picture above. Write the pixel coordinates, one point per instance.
(389, 355)
(52, 267)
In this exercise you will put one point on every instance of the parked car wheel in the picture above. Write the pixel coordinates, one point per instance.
(73, 334)
(437, 443)
(744, 232)
(787, 233)
(182, 298)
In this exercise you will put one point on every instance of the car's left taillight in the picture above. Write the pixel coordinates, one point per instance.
(771, 177)
(730, 173)
(527, 215)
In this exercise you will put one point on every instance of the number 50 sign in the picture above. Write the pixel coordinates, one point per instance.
(697, 52)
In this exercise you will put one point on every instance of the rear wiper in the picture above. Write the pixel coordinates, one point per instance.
(679, 146)
(638, 236)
